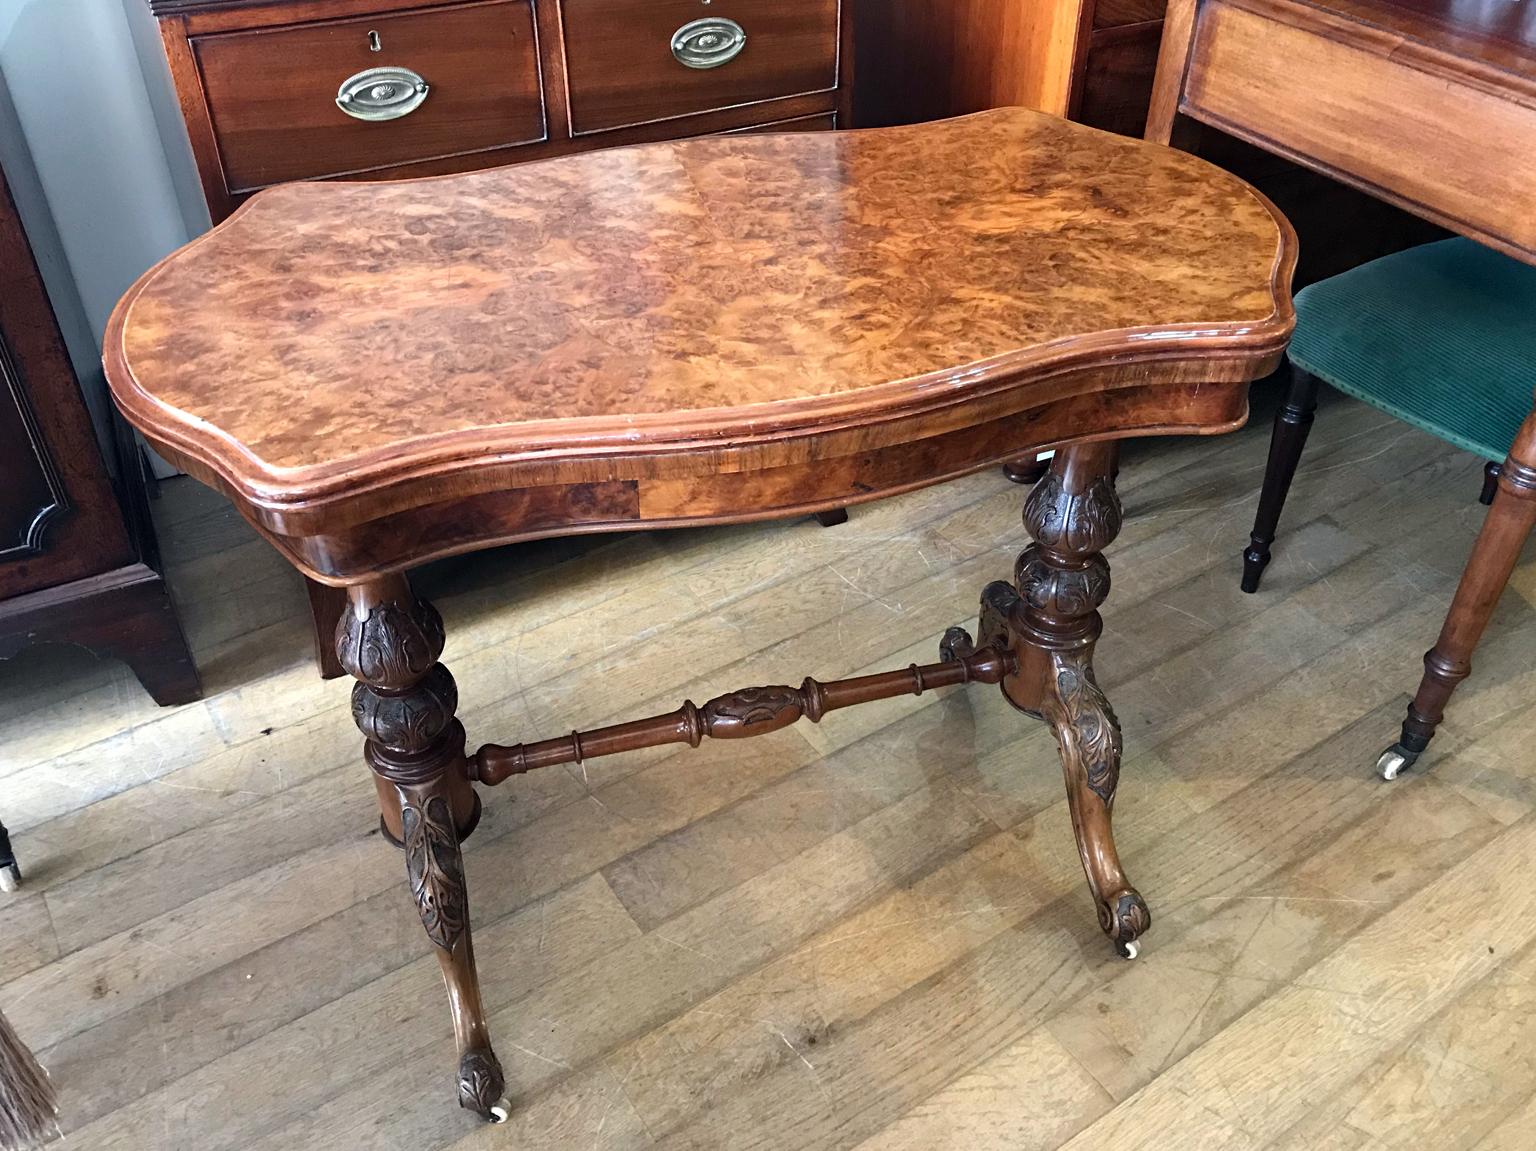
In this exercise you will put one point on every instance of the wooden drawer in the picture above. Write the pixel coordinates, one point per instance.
(621, 68)
(272, 93)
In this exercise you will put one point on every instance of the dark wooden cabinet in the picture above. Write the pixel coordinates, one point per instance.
(76, 562)
(320, 89)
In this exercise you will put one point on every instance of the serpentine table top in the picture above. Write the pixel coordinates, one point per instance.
(715, 329)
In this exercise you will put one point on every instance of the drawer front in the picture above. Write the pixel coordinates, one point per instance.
(823, 123)
(625, 59)
(449, 81)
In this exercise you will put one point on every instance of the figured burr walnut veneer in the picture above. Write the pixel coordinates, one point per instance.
(704, 331)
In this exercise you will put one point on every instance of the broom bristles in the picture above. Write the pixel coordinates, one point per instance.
(28, 1108)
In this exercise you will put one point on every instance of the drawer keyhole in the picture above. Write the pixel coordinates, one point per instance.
(374, 43)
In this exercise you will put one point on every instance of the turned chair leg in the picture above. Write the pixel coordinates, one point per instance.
(1494, 555)
(404, 704)
(10, 870)
(1491, 473)
(1292, 424)
(1061, 579)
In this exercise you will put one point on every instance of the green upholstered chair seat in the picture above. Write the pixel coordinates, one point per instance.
(1442, 336)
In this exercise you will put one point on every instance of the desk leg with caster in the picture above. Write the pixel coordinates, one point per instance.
(1507, 526)
(404, 703)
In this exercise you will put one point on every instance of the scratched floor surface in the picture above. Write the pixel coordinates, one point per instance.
(870, 933)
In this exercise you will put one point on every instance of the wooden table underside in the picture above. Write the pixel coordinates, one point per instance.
(1428, 104)
(698, 332)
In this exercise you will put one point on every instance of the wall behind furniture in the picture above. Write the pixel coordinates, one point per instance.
(100, 167)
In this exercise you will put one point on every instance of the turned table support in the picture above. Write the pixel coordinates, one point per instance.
(404, 704)
(1061, 579)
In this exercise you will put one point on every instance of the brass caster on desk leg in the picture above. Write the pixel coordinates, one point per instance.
(1394, 760)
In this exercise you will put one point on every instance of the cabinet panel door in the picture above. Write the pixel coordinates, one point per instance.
(59, 517)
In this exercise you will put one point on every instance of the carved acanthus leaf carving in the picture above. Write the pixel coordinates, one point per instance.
(1076, 524)
(408, 721)
(1096, 731)
(1124, 916)
(1060, 590)
(481, 1082)
(434, 866)
(393, 645)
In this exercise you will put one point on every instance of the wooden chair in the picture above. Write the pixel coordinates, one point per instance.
(1443, 337)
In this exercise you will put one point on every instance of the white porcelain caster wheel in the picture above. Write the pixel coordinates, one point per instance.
(1129, 950)
(10, 878)
(1394, 761)
(501, 1110)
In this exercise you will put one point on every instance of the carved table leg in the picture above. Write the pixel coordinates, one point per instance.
(1494, 555)
(404, 704)
(1062, 578)
(10, 870)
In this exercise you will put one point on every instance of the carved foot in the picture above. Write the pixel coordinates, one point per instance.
(1124, 918)
(1394, 761)
(482, 1085)
(10, 871)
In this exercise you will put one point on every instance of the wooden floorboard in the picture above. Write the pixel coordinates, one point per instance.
(869, 933)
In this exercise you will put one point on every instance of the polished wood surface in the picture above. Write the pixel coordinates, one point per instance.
(695, 315)
(212, 951)
(1430, 106)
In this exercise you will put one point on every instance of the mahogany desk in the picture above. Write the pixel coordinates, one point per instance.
(1428, 104)
(704, 332)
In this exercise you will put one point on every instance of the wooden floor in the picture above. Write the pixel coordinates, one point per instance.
(872, 933)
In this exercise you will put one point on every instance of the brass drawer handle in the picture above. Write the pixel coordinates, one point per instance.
(382, 94)
(708, 43)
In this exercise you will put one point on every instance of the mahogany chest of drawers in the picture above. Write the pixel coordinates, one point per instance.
(313, 89)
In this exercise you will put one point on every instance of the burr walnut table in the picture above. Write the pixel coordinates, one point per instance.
(704, 332)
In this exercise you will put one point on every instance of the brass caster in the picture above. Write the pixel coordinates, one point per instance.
(1394, 760)
(1129, 950)
(10, 878)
